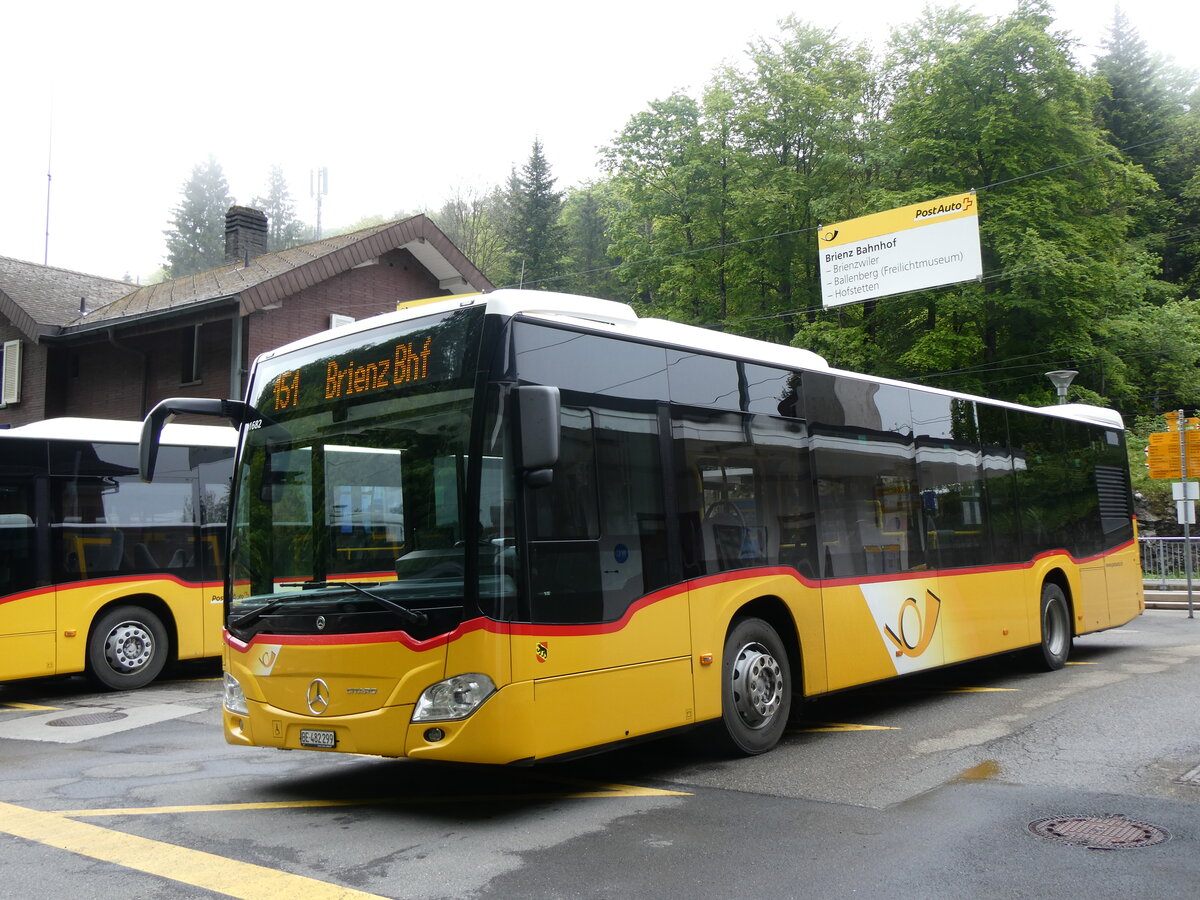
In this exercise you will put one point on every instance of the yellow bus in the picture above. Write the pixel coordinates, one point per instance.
(522, 526)
(100, 572)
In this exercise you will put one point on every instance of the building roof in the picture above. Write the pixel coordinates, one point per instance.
(42, 300)
(45, 302)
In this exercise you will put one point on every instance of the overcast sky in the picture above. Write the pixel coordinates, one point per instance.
(403, 102)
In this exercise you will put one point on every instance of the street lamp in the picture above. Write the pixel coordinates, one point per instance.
(1062, 378)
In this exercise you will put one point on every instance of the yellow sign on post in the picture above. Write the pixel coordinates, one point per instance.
(1164, 459)
(1173, 421)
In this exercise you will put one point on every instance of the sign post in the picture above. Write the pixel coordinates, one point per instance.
(1188, 504)
(1175, 453)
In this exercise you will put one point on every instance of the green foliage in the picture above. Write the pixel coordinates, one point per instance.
(284, 229)
(472, 220)
(1153, 495)
(196, 240)
(1086, 180)
(535, 237)
(713, 201)
(587, 242)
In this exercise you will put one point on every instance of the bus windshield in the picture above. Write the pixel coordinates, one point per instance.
(352, 493)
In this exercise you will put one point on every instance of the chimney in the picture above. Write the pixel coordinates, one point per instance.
(245, 234)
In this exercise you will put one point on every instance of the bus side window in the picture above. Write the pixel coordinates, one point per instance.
(564, 528)
(865, 464)
(18, 563)
(744, 492)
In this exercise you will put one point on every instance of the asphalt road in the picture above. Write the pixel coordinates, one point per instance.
(924, 788)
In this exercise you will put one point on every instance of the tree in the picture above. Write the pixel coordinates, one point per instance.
(587, 242)
(1149, 108)
(656, 210)
(197, 239)
(535, 237)
(1002, 107)
(1135, 107)
(284, 229)
(715, 200)
(472, 219)
(801, 111)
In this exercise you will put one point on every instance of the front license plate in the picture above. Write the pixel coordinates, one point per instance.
(322, 740)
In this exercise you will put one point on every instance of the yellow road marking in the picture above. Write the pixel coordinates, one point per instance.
(13, 704)
(1081, 663)
(939, 691)
(840, 726)
(596, 792)
(180, 864)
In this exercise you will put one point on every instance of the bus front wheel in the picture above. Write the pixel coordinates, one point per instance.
(1056, 627)
(127, 648)
(756, 687)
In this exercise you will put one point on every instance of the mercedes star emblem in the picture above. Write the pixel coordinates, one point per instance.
(318, 696)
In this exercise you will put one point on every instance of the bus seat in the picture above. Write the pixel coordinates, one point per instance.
(143, 558)
(104, 553)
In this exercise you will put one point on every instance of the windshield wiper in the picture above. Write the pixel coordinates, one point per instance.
(408, 616)
(255, 614)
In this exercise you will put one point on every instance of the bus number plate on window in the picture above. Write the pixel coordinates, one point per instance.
(322, 740)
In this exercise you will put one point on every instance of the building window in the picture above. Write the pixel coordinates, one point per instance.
(12, 373)
(189, 355)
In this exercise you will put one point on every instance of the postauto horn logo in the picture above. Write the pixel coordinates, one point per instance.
(914, 626)
(963, 204)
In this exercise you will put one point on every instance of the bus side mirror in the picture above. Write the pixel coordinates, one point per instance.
(237, 412)
(538, 407)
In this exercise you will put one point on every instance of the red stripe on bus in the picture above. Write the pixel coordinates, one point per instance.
(528, 629)
(116, 579)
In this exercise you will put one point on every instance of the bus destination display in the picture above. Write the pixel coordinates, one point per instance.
(407, 363)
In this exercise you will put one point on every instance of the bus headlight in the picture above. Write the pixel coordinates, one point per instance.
(454, 698)
(235, 700)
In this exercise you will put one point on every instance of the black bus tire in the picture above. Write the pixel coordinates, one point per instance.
(1056, 629)
(756, 687)
(127, 648)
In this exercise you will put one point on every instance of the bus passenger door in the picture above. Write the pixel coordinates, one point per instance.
(981, 609)
(884, 610)
(608, 654)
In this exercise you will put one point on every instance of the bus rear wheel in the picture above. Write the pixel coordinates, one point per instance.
(756, 686)
(127, 648)
(1056, 627)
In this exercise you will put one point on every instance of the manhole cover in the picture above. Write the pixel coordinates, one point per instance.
(1100, 832)
(94, 718)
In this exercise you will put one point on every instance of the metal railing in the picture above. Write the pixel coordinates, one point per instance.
(1163, 561)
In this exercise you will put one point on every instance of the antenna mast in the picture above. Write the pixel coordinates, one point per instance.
(49, 158)
(318, 187)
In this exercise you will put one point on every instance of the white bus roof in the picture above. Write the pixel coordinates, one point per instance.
(120, 431)
(620, 318)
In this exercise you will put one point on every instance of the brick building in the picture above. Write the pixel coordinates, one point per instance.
(78, 345)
